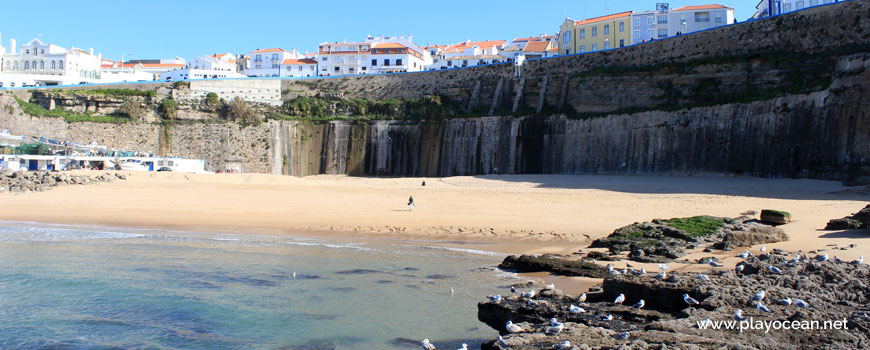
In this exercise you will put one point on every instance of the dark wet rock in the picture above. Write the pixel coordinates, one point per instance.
(384, 282)
(750, 234)
(660, 240)
(596, 255)
(859, 220)
(776, 217)
(836, 291)
(39, 181)
(548, 263)
(357, 272)
(342, 289)
(440, 277)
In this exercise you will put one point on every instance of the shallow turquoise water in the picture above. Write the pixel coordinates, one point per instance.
(64, 287)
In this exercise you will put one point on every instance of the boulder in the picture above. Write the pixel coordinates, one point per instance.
(749, 234)
(548, 263)
(777, 217)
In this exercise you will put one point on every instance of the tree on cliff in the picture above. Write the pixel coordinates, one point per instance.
(132, 109)
(240, 111)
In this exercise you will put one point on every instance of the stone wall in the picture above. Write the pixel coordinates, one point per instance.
(253, 90)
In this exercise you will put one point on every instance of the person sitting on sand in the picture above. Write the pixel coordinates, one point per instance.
(411, 203)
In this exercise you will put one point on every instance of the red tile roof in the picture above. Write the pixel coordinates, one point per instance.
(388, 46)
(536, 46)
(536, 38)
(603, 18)
(700, 7)
(269, 50)
(146, 65)
(299, 61)
(481, 44)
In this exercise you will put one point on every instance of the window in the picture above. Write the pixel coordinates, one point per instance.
(702, 17)
(464, 63)
(399, 62)
(300, 68)
(718, 19)
(663, 33)
(606, 29)
(798, 5)
(42, 65)
(594, 47)
(637, 21)
(274, 57)
(594, 31)
(663, 19)
(786, 7)
(566, 37)
(649, 20)
(606, 45)
(336, 69)
(323, 59)
(258, 58)
(582, 48)
(650, 33)
(621, 27)
(274, 65)
(14, 65)
(449, 63)
(637, 34)
(26, 65)
(386, 62)
(582, 33)
(374, 62)
(621, 42)
(814, 2)
(7, 65)
(27, 52)
(258, 67)
(42, 51)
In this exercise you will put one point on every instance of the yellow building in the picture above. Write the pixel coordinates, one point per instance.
(595, 34)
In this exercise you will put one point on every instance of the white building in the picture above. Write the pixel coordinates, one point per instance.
(205, 67)
(138, 70)
(377, 54)
(468, 53)
(303, 67)
(664, 22)
(775, 7)
(48, 64)
(267, 62)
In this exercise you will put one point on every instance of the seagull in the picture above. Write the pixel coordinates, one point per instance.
(762, 308)
(858, 261)
(642, 271)
(495, 299)
(294, 275)
(621, 336)
(574, 309)
(744, 255)
(786, 301)
(738, 268)
(702, 276)
(714, 263)
(619, 299)
(611, 270)
(639, 304)
(554, 322)
(763, 248)
(427, 345)
(451, 290)
(513, 289)
(689, 300)
(502, 343)
(663, 267)
(582, 298)
(662, 276)
(758, 296)
(530, 294)
(624, 271)
(738, 315)
(801, 304)
(550, 286)
(464, 347)
(554, 329)
(837, 259)
(511, 327)
(774, 269)
(794, 260)
(564, 346)
(607, 317)
(823, 257)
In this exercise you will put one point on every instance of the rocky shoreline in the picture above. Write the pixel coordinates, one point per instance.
(38, 181)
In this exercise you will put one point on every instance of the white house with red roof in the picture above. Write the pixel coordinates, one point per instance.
(215, 66)
(467, 53)
(689, 19)
(299, 67)
(267, 62)
(377, 54)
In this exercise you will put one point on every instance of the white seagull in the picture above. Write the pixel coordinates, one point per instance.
(738, 315)
(513, 289)
(427, 345)
(738, 268)
(639, 304)
(495, 299)
(762, 308)
(554, 322)
(294, 275)
(574, 309)
(564, 346)
(464, 347)
(743, 255)
(502, 343)
(689, 300)
(786, 301)
(554, 329)
(622, 336)
(662, 275)
(774, 269)
(714, 263)
(822, 257)
(607, 317)
(511, 327)
(702, 277)
(550, 286)
(858, 261)
(528, 295)
(763, 248)
(801, 304)
(582, 298)
(642, 271)
(758, 296)
(619, 299)
(837, 259)
(663, 267)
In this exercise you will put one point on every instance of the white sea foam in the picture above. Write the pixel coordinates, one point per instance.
(49, 233)
(463, 250)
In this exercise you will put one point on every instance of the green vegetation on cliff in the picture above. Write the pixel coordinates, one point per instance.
(112, 92)
(70, 117)
(320, 108)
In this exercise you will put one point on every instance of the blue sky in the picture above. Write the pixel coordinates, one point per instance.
(188, 28)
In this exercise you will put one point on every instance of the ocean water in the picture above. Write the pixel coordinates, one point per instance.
(66, 287)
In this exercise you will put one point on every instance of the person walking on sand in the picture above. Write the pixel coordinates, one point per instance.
(411, 203)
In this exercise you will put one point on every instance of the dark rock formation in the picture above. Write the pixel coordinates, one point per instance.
(776, 217)
(834, 290)
(531, 263)
(858, 220)
(749, 234)
(38, 181)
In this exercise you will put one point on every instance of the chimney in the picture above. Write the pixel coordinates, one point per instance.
(12, 46)
(91, 51)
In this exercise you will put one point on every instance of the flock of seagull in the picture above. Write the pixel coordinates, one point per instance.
(555, 327)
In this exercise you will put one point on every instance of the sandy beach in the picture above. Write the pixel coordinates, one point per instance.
(510, 214)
